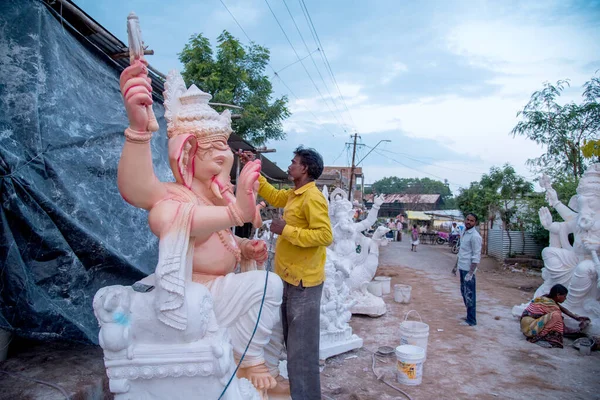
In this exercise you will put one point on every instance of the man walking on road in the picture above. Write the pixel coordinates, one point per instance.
(469, 256)
(304, 233)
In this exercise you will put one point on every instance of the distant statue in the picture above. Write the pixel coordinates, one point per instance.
(180, 332)
(361, 252)
(575, 266)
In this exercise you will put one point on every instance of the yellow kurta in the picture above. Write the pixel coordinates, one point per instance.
(300, 249)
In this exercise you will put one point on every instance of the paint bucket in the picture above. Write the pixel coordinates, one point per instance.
(414, 332)
(410, 364)
(402, 293)
(375, 288)
(386, 283)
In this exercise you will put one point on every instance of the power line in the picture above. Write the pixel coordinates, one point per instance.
(427, 163)
(325, 60)
(301, 63)
(339, 155)
(414, 169)
(275, 72)
(297, 61)
(314, 63)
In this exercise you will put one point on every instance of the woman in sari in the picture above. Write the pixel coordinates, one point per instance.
(542, 321)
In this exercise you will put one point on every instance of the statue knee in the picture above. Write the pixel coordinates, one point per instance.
(274, 287)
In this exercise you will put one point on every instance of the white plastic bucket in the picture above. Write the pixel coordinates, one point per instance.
(402, 293)
(375, 288)
(386, 283)
(414, 332)
(410, 364)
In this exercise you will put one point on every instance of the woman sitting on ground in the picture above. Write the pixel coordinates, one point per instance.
(542, 321)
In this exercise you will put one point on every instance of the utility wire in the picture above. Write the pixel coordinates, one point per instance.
(315, 64)
(297, 61)
(301, 63)
(275, 72)
(414, 169)
(325, 60)
(427, 163)
(339, 155)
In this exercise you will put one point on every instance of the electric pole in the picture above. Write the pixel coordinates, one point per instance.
(351, 184)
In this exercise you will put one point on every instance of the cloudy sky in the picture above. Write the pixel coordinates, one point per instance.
(443, 80)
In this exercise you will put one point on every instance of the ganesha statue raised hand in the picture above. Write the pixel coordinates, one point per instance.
(188, 324)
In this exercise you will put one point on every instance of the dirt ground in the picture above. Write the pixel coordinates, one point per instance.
(490, 361)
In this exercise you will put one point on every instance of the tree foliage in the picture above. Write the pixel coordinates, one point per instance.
(235, 75)
(561, 129)
(393, 184)
(500, 192)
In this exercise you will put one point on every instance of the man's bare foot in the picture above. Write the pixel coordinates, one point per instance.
(282, 387)
(259, 376)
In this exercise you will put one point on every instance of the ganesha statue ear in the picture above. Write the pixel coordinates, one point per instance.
(182, 149)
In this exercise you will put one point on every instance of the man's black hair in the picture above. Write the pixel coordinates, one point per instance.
(311, 160)
(474, 216)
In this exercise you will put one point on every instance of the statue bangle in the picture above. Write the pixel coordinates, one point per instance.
(234, 214)
(134, 136)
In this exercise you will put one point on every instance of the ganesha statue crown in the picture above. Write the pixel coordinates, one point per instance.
(187, 112)
(590, 181)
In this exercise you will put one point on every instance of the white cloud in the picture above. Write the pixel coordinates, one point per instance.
(396, 69)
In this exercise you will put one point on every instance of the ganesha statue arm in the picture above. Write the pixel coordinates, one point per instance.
(139, 185)
(371, 216)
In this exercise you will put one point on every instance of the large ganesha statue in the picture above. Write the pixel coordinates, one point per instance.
(575, 266)
(192, 323)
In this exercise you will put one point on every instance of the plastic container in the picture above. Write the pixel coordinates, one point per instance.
(414, 333)
(375, 288)
(410, 364)
(402, 293)
(585, 349)
(386, 283)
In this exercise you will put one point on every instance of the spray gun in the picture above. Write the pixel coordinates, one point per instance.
(136, 52)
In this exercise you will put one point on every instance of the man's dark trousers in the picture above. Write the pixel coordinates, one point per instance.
(467, 289)
(300, 318)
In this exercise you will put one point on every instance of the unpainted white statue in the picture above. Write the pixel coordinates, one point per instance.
(361, 252)
(574, 266)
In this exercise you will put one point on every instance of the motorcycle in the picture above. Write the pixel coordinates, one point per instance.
(456, 246)
(442, 238)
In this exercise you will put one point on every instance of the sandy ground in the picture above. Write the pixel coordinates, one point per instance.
(490, 361)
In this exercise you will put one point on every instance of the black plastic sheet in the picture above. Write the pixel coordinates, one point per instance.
(65, 231)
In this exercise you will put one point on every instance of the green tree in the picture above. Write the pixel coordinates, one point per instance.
(236, 75)
(561, 129)
(500, 192)
(393, 184)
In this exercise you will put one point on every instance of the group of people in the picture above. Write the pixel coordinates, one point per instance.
(395, 227)
(542, 322)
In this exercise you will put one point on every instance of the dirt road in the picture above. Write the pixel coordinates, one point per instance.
(489, 361)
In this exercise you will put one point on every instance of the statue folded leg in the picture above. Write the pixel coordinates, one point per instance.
(237, 299)
(559, 265)
(583, 288)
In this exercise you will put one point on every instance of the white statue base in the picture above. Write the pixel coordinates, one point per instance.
(338, 342)
(367, 304)
(146, 359)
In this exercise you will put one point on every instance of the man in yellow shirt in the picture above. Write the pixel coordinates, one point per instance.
(304, 233)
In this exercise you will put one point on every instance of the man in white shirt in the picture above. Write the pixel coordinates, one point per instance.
(469, 256)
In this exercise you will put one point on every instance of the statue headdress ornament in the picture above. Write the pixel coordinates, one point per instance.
(589, 184)
(187, 112)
